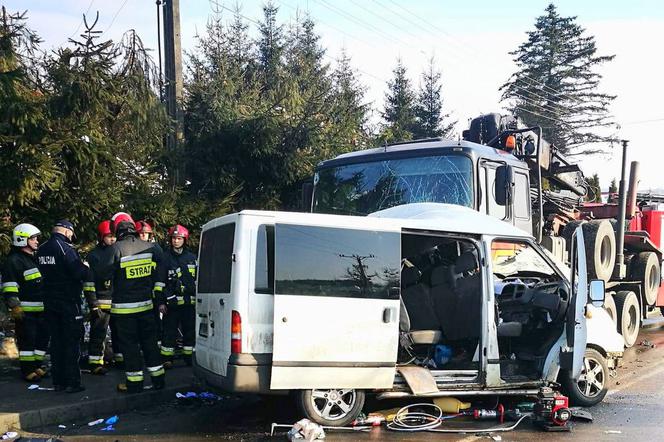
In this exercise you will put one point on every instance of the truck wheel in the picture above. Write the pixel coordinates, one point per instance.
(644, 268)
(590, 388)
(600, 248)
(568, 232)
(333, 407)
(629, 316)
(610, 307)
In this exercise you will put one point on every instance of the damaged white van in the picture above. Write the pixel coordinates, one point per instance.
(420, 300)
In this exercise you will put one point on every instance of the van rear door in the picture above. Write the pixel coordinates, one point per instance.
(336, 307)
(213, 296)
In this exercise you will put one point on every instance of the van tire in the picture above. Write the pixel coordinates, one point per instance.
(629, 316)
(611, 309)
(600, 249)
(313, 404)
(644, 268)
(581, 392)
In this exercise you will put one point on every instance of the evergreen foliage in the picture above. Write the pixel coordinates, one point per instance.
(556, 84)
(399, 110)
(430, 120)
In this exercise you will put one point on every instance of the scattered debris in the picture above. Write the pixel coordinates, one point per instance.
(111, 420)
(580, 414)
(496, 438)
(613, 432)
(647, 343)
(95, 422)
(307, 430)
(62, 427)
(108, 428)
(9, 435)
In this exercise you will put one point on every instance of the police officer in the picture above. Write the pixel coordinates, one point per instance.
(136, 269)
(22, 290)
(64, 273)
(99, 300)
(181, 265)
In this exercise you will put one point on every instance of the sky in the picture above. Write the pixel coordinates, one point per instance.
(470, 42)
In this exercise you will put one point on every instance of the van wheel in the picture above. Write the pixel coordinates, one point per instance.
(590, 388)
(629, 316)
(336, 407)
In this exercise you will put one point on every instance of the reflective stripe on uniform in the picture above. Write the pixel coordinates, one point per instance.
(180, 300)
(31, 274)
(187, 350)
(26, 356)
(89, 287)
(104, 304)
(134, 260)
(192, 269)
(134, 376)
(98, 360)
(159, 286)
(10, 287)
(167, 351)
(156, 371)
(28, 306)
(118, 357)
(131, 307)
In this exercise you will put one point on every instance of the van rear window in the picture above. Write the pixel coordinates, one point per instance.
(216, 259)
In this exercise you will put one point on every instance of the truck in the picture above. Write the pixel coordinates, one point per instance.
(509, 171)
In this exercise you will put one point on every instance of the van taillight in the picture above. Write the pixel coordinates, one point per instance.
(236, 332)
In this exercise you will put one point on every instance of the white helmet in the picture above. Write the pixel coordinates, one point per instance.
(22, 233)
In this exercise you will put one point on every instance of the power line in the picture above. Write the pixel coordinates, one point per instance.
(81, 22)
(116, 15)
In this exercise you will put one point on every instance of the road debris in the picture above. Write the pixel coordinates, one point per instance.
(613, 432)
(307, 430)
(647, 343)
(9, 435)
(95, 422)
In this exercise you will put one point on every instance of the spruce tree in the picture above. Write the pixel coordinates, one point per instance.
(556, 84)
(594, 190)
(429, 107)
(399, 110)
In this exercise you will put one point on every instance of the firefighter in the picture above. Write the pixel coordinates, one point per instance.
(98, 296)
(22, 290)
(181, 265)
(144, 230)
(136, 269)
(63, 273)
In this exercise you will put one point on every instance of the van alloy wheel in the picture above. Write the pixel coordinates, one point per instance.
(336, 407)
(591, 382)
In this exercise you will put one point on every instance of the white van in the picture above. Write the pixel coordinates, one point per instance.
(417, 300)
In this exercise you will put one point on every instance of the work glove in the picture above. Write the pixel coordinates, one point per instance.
(17, 313)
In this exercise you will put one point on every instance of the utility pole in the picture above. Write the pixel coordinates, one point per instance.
(173, 81)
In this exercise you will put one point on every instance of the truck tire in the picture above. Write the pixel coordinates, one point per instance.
(591, 387)
(568, 232)
(644, 268)
(610, 307)
(334, 407)
(629, 316)
(600, 249)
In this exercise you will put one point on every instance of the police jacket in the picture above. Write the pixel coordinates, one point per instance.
(181, 267)
(135, 268)
(22, 282)
(62, 269)
(101, 295)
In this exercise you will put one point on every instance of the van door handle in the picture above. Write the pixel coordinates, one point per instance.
(199, 300)
(389, 315)
(221, 302)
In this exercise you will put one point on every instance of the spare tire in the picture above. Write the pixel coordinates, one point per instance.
(568, 232)
(644, 268)
(629, 316)
(600, 249)
(610, 307)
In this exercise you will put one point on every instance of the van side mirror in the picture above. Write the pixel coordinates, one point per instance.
(307, 196)
(504, 182)
(596, 292)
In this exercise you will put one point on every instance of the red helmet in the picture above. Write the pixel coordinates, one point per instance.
(119, 218)
(143, 226)
(178, 230)
(103, 229)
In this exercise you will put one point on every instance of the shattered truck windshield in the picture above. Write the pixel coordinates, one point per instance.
(360, 189)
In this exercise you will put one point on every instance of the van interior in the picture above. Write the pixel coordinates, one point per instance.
(441, 305)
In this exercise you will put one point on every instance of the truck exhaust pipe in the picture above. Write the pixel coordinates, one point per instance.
(620, 270)
(633, 189)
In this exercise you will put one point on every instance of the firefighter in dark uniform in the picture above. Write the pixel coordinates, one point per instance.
(63, 272)
(136, 270)
(22, 290)
(181, 266)
(145, 233)
(99, 300)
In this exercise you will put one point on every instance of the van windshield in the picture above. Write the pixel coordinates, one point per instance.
(360, 189)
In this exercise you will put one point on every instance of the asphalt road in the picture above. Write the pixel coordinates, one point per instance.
(632, 410)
